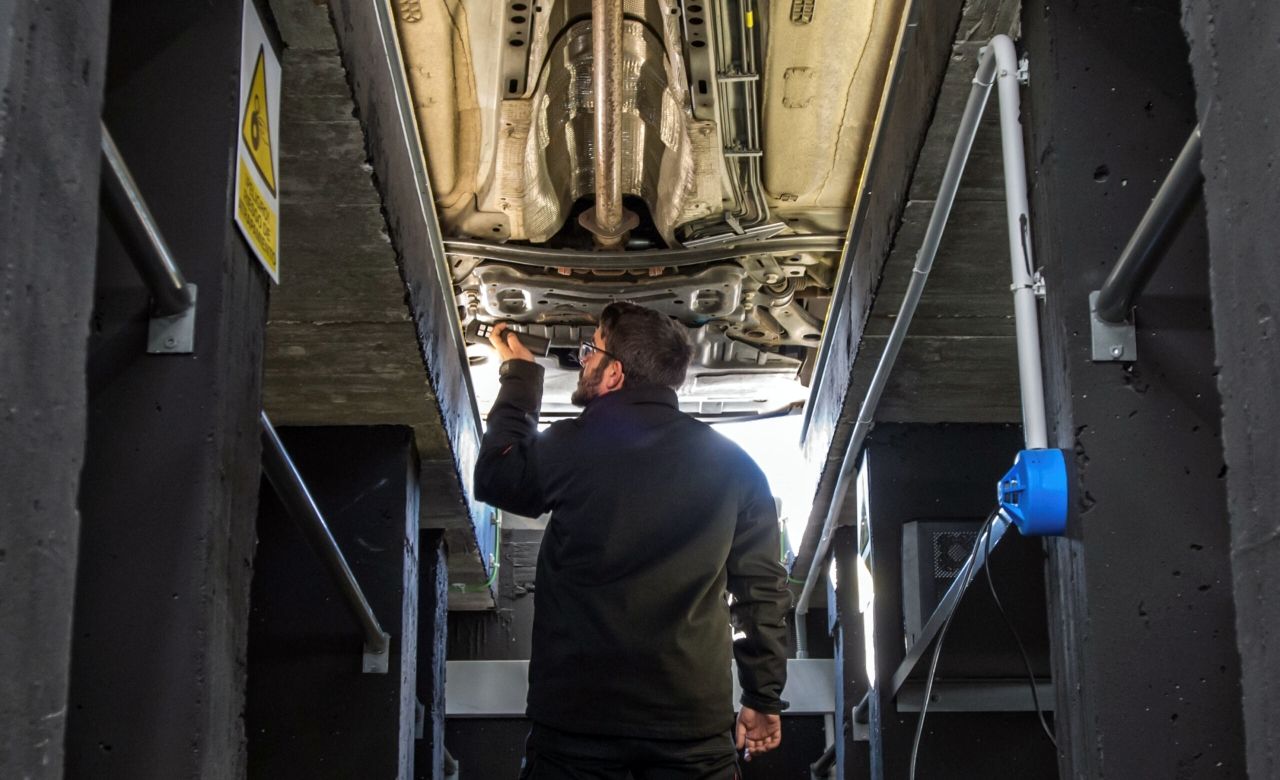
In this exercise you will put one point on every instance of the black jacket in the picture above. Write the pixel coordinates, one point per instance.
(654, 516)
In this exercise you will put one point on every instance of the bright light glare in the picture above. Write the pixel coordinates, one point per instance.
(774, 444)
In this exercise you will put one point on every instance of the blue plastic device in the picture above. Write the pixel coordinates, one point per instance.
(1034, 493)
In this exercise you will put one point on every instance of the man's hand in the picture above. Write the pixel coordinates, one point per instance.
(508, 345)
(757, 732)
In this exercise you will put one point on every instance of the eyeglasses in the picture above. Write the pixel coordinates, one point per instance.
(587, 347)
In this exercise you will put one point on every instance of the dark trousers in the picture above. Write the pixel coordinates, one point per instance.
(550, 754)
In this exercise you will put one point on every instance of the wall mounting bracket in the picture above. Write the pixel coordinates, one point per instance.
(1112, 341)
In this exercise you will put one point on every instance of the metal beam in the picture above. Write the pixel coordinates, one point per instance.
(1002, 695)
(497, 689)
(622, 260)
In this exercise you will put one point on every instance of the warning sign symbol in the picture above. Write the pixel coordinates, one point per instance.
(257, 125)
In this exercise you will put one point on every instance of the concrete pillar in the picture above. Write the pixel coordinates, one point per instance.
(1145, 658)
(1234, 56)
(170, 481)
(433, 627)
(852, 754)
(310, 710)
(52, 60)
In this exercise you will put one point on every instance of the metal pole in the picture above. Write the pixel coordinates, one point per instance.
(1018, 213)
(1141, 255)
(606, 52)
(289, 486)
(924, 262)
(999, 62)
(150, 254)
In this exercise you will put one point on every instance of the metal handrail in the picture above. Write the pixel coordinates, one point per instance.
(998, 64)
(1142, 255)
(822, 767)
(151, 255)
(292, 490)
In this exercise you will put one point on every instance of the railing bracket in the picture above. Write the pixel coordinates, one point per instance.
(377, 661)
(174, 334)
(1111, 307)
(1112, 342)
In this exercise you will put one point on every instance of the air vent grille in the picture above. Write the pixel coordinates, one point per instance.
(950, 550)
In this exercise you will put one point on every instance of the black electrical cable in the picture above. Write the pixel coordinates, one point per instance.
(965, 576)
(1026, 659)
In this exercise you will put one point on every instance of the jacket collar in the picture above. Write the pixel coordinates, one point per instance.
(642, 394)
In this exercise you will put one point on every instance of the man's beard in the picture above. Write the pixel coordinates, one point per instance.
(588, 388)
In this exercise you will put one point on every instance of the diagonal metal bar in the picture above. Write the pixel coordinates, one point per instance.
(150, 254)
(292, 490)
(1141, 255)
(948, 604)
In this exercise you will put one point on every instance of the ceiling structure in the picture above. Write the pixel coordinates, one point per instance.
(958, 363)
(342, 347)
(346, 341)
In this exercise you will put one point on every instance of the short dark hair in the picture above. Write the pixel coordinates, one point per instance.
(653, 348)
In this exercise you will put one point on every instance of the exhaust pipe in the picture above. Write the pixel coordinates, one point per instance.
(607, 219)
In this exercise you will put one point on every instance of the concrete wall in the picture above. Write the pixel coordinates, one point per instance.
(52, 60)
(170, 481)
(1145, 660)
(1234, 56)
(310, 711)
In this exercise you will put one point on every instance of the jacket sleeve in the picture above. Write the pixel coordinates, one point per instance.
(506, 474)
(757, 581)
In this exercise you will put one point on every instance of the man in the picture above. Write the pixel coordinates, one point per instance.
(653, 517)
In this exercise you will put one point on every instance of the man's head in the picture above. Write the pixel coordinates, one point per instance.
(634, 345)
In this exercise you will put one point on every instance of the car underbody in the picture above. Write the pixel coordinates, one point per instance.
(716, 184)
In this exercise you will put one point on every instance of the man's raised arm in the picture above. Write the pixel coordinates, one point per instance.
(506, 474)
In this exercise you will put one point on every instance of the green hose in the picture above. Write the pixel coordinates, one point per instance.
(462, 587)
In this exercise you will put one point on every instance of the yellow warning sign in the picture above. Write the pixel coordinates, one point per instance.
(257, 124)
(258, 220)
(258, 182)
